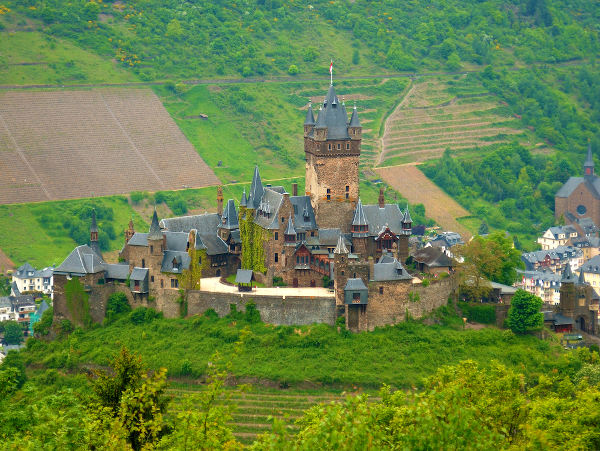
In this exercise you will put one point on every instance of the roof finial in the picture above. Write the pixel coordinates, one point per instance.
(331, 72)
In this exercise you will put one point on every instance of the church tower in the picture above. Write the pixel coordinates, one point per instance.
(332, 148)
(588, 166)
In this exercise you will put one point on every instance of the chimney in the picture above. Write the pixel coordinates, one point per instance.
(220, 200)
(371, 268)
(294, 189)
(381, 198)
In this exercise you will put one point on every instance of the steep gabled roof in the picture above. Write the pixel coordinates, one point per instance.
(274, 200)
(154, 233)
(379, 218)
(304, 215)
(389, 269)
(407, 219)
(333, 116)
(206, 223)
(138, 239)
(567, 275)
(82, 260)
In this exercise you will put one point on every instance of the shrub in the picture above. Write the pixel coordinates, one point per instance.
(143, 315)
(478, 313)
(117, 305)
(42, 327)
(293, 69)
(252, 314)
(13, 333)
(136, 197)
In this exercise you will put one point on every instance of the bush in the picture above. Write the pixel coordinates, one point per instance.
(13, 333)
(142, 315)
(117, 305)
(136, 197)
(293, 69)
(42, 327)
(478, 313)
(252, 315)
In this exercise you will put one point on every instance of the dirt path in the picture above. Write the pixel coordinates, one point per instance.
(5, 263)
(385, 136)
(409, 181)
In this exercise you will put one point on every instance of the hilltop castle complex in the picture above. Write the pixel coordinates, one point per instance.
(326, 234)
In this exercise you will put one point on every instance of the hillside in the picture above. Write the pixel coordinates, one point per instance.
(158, 39)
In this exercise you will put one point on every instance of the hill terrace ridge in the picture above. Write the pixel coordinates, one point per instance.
(326, 234)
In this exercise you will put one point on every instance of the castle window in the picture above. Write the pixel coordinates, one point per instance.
(354, 275)
(329, 146)
(162, 283)
(276, 257)
(174, 283)
(342, 273)
(328, 190)
(276, 238)
(347, 146)
(312, 233)
(339, 146)
(380, 290)
(282, 219)
(199, 260)
(347, 188)
(347, 196)
(151, 249)
(143, 263)
(152, 279)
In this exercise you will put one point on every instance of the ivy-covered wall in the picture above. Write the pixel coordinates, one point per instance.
(253, 239)
(78, 302)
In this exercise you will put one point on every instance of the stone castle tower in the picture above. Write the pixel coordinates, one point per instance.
(332, 147)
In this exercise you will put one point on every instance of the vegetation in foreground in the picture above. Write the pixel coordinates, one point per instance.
(523, 392)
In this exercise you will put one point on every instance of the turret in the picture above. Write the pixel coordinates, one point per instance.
(407, 222)
(309, 122)
(290, 232)
(354, 128)
(94, 235)
(244, 201)
(256, 191)
(156, 239)
(360, 225)
(129, 232)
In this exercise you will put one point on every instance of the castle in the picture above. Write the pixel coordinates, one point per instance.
(327, 234)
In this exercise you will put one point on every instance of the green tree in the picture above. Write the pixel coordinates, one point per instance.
(13, 333)
(524, 315)
(483, 228)
(43, 326)
(117, 305)
(15, 361)
(355, 57)
(293, 69)
(174, 29)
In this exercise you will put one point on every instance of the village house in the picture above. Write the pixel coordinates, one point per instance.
(554, 260)
(17, 308)
(544, 284)
(557, 236)
(26, 279)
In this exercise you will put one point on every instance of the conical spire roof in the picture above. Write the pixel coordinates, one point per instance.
(290, 230)
(310, 118)
(589, 161)
(341, 246)
(244, 201)
(407, 219)
(581, 280)
(256, 190)
(155, 232)
(567, 275)
(359, 215)
(333, 116)
(320, 118)
(354, 121)
(94, 225)
(230, 214)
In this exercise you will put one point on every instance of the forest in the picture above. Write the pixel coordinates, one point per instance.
(182, 40)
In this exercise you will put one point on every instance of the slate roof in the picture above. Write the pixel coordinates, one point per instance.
(355, 285)
(330, 237)
(236, 237)
(256, 190)
(567, 275)
(592, 183)
(208, 222)
(333, 116)
(244, 201)
(388, 268)
(289, 230)
(304, 215)
(14, 289)
(592, 265)
(230, 220)
(26, 271)
(542, 276)
(341, 247)
(433, 257)
(181, 258)
(82, 260)
(116, 271)
(354, 121)
(407, 219)
(359, 215)
(448, 239)
(310, 118)
(243, 276)
(378, 218)
(589, 159)
(5, 302)
(155, 233)
(138, 239)
(504, 289)
(559, 253)
(24, 300)
(177, 241)
(274, 200)
(213, 244)
(42, 308)
(557, 318)
(139, 273)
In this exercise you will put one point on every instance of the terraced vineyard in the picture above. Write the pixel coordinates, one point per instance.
(257, 408)
(439, 114)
